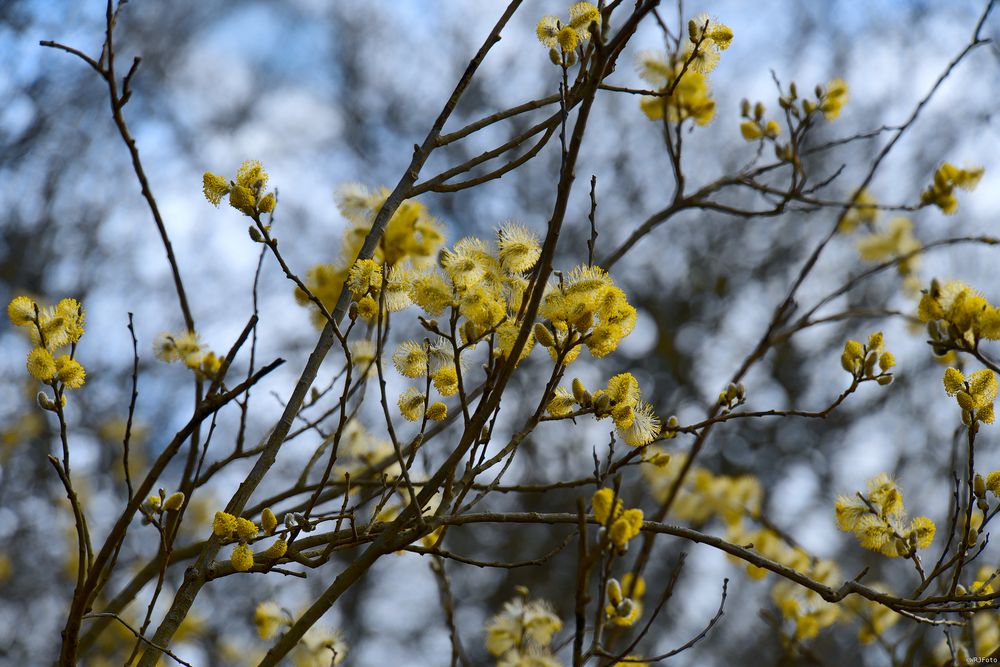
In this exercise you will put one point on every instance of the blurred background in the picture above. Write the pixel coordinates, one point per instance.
(329, 93)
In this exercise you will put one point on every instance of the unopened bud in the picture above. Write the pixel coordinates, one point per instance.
(870, 360)
(44, 402)
(302, 523)
(614, 592)
(584, 322)
(268, 521)
(979, 486)
(579, 391)
(543, 335)
(470, 331)
(255, 234)
(174, 502)
(625, 608)
(935, 290)
(933, 330)
(902, 548)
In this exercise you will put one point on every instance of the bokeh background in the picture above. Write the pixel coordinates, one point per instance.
(325, 93)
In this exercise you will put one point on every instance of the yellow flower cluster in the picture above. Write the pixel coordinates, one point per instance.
(634, 419)
(975, 395)
(860, 360)
(187, 348)
(562, 38)
(624, 599)
(320, 646)
(434, 361)
(992, 482)
(981, 635)
(983, 585)
(863, 210)
(707, 38)
(584, 307)
(157, 504)
(896, 240)
(876, 618)
(246, 192)
(738, 501)
(957, 316)
(413, 404)
(807, 611)
(229, 528)
(522, 633)
(754, 127)
(709, 32)
(360, 450)
(704, 495)
(735, 394)
(621, 524)
(829, 100)
(941, 192)
(268, 617)
(691, 96)
(832, 99)
(878, 520)
(51, 329)
(482, 284)
(410, 243)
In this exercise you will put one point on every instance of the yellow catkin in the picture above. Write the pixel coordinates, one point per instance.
(276, 550)
(224, 525)
(21, 311)
(174, 502)
(242, 558)
(268, 521)
(41, 365)
(246, 529)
